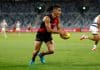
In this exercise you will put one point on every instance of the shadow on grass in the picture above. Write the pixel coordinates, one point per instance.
(52, 65)
(12, 66)
(85, 64)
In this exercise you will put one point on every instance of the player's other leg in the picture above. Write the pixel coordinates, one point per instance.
(96, 39)
(50, 46)
(83, 37)
(4, 32)
(37, 45)
(18, 30)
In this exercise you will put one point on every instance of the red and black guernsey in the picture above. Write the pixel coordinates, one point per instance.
(42, 33)
(53, 22)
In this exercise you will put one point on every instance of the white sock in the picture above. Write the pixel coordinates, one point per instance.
(94, 46)
(86, 37)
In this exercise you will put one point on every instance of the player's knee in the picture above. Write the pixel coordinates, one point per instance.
(96, 38)
(36, 51)
(51, 52)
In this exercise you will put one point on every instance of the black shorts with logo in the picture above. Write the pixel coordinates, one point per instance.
(43, 37)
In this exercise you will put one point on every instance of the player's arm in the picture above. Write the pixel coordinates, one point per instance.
(46, 19)
(59, 28)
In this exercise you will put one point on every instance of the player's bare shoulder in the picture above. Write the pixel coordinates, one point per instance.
(46, 19)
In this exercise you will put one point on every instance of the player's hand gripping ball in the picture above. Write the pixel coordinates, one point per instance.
(66, 35)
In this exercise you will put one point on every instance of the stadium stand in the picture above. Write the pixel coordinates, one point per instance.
(71, 17)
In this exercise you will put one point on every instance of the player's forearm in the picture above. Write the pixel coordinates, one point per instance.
(53, 31)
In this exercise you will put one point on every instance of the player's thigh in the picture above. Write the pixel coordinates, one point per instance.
(3, 29)
(37, 45)
(17, 29)
(96, 37)
(50, 45)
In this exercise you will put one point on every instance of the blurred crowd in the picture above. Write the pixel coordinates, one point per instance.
(73, 15)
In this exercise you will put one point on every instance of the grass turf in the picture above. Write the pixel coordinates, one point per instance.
(71, 54)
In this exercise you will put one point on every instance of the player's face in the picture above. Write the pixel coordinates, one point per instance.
(57, 12)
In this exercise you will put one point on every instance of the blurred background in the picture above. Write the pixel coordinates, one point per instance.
(16, 48)
(75, 13)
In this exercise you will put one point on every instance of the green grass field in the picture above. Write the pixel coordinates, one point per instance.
(72, 54)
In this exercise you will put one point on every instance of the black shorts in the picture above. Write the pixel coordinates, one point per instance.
(43, 37)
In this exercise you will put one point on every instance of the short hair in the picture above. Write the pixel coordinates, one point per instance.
(50, 9)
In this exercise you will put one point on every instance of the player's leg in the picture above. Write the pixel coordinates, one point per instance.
(93, 30)
(18, 31)
(37, 45)
(95, 45)
(95, 38)
(50, 45)
(4, 32)
(83, 37)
